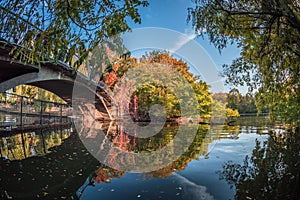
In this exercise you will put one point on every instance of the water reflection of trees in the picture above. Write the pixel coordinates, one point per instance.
(125, 142)
(119, 149)
(23, 145)
(271, 172)
(57, 174)
(197, 148)
(66, 170)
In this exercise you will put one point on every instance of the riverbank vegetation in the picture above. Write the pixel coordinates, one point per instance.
(150, 94)
(267, 33)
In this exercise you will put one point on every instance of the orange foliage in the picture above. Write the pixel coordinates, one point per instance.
(110, 78)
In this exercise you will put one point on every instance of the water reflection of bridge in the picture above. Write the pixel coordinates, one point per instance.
(60, 171)
(48, 164)
(20, 112)
(53, 171)
(34, 143)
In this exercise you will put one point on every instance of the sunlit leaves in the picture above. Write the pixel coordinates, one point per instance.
(156, 92)
(268, 34)
(60, 30)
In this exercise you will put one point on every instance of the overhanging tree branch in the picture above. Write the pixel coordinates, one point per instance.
(21, 18)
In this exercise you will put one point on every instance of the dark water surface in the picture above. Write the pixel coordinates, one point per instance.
(252, 160)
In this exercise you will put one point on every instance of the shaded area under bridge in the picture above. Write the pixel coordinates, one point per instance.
(58, 78)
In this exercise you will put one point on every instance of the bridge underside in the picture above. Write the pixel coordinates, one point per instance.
(61, 88)
(56, 78)
(64, 89)
(9, 70)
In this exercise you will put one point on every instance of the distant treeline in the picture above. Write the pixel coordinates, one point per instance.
(245, 104)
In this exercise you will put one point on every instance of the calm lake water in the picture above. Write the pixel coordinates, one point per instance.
(252, 160)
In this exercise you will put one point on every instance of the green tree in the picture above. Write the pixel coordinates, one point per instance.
(234, 98)
(151, 93)
(247, 104)
(64, 29)
(268, 33)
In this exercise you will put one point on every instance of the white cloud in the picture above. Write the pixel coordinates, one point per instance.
(189, 35)
(182, 40)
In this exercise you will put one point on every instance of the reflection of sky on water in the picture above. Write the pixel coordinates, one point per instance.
(198, 180)
(236, 149)
(137, 186)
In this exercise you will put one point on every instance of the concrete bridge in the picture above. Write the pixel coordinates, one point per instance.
(58, 78)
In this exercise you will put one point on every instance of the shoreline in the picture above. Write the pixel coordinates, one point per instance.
(31, 127)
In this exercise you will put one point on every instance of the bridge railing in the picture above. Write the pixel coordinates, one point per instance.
(17, 110)
(85, 77)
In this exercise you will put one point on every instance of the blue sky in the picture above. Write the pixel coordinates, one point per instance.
(172, 14)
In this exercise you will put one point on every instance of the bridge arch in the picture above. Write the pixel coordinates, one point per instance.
(56, 78)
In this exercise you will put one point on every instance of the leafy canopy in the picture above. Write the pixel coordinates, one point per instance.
(61, 29)
(147, 68)
(268, 33)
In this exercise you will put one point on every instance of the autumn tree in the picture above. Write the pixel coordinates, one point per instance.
(53, 29)
(150, 93)
(170, 101)
(268, 33)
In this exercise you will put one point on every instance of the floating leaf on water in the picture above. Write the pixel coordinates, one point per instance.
(7, 195)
